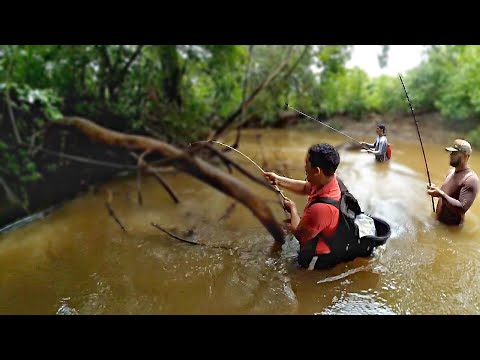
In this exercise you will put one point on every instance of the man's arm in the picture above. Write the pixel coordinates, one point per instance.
(300, 187)
(295, 218)
(314, 220)
(382, 148)
(468, 192)
(372, 145)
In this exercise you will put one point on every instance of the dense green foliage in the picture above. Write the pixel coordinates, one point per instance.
(180, 93)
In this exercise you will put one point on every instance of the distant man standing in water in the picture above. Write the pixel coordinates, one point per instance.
(380, 145)
(460, 187)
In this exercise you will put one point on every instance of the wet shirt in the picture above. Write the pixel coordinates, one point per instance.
(380, 146)
(319, 217)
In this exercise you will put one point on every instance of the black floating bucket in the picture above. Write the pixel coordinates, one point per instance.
(383, 232)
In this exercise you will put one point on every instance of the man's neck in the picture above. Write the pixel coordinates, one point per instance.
(327, 181)
(461, 168)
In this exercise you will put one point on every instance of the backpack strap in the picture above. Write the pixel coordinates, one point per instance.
(329, 201)
(324, 200)
(342, 186)
(310, 249)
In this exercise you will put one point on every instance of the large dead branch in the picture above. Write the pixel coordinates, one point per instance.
(186, 162)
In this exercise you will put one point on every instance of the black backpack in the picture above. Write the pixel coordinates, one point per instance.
(345, 244)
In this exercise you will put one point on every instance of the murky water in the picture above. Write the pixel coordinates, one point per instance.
(78, 261)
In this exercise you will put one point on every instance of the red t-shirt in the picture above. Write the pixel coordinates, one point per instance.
(319, 217)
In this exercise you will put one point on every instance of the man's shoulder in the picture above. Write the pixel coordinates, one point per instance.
(472, 177)
(473, 173)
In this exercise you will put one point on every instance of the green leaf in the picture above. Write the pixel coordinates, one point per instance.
(53, 113)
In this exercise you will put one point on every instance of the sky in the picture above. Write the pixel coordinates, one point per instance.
(400, 59)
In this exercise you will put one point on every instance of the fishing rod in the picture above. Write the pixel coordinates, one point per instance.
(418, 132)
(298, 111)
(253, 162)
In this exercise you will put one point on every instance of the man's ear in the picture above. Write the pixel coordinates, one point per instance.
(317, 170)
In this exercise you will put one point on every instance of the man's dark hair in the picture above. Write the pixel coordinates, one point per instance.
(382, 126)
(324, 156)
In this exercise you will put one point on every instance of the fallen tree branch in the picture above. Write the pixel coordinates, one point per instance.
(167, 187)
(88, 161)
(228, 212)
(193, 242)
(110, 209)
(150, 170)
(175, 236)
(140, 167)
(187, 163)
(262, 182)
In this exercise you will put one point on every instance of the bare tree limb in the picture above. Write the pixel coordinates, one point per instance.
(110, 209)
(295, 64)
(192, 242)
(167, 188)
(32, 141)
(259, 181)
(187, 163)
(87, 160)
(12, 117)
(151, 171)
(140, 167)
(229, 211)
(123, 72)
(236, 143)
(244, 105)
(174, 236)
(11, 197)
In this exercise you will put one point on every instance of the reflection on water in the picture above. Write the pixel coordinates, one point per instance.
(78, 261)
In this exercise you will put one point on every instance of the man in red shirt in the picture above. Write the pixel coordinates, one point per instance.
(319, 220)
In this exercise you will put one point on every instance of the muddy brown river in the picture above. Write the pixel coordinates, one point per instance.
(78, 261)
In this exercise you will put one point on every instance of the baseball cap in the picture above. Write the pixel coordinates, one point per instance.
(460, 145)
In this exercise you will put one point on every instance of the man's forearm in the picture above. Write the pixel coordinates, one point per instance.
(295, 220)
(450, 202)
(297, 186)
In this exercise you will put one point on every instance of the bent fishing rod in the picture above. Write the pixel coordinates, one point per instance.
(253, 162)
(298, 111)
(418, 132)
